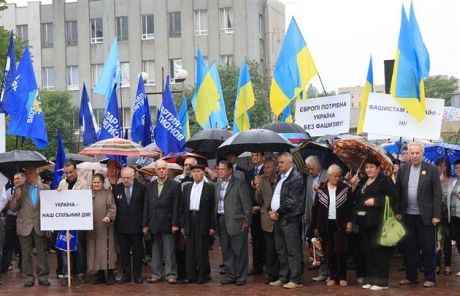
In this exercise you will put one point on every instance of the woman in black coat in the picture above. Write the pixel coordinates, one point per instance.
(331, 217)
(370, 194)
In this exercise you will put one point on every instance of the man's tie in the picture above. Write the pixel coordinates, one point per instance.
(128, 194)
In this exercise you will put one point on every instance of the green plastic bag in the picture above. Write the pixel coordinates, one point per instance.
(392, 229)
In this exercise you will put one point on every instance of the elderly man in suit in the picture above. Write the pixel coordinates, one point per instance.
(161, 219)
(197, 223)
(78, 258)
(27, 202)
(129, 197)
(233, 209)
(286, 209)
(316, 176)
(420, 196)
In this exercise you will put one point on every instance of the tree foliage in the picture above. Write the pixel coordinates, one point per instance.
(440, 87)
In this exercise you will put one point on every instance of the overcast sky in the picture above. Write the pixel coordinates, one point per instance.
(341, 35)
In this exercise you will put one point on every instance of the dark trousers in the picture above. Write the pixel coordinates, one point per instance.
(77, 258)
(424, 236)
(289, 251)
(452, 233)
(377, 258)
(271, 258)
(196, 251)
(336, 250)
(11, 244)
(357, 248)
(180, 257)
(234, 252)
(258, 245)
(27, 244)
(131, 242)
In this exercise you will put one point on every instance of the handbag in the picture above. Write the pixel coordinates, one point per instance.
(392, 230)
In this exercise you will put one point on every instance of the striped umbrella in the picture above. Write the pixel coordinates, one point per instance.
(116, 146)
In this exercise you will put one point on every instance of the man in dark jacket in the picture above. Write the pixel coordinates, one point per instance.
(129, 197)
(287, 208)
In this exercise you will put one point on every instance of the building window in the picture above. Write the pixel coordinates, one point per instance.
(226, 20)
(261, 26)
(72, 78)
(47, 35)
(97, 35)
(175, 65)
(149, 68)
(71, 33)
(121, 24)
(48, 78)
(201, 22)
(174, 24)
(124, 76)
(226, 60)
(148, 31)
(96, 70)
(22, 32)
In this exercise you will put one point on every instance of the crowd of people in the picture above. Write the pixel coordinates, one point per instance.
(174, 220)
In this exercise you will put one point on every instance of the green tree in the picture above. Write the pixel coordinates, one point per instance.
(59, 113)
(440, 87)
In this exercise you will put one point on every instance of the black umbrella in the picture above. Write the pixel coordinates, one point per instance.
(255, 140)
(13, 161)
(322, 151)
(291, 131)
(206, 142)
(77, 158)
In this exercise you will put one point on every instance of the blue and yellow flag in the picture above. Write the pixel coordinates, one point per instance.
(26, 115)
(412, 65)
(244, 101)
(217, 119)
(293, 70)
(206, 97)
(183, 118)
(368, 87)
(287, 115)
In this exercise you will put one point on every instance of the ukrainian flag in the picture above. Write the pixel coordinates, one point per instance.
(368, 87)
(287, 115)
(293, 70)
(412, 65)
(244, 101)
(183, 118)
(206, 97)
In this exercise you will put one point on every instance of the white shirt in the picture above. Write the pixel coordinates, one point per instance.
(195, 196)
(332, 204)
(257, 169)
(275, 205)
(223, 189)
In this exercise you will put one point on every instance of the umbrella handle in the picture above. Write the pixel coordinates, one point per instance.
(360, 166)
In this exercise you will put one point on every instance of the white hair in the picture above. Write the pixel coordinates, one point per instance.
(334, 168)
(312, 159)
(417, 144)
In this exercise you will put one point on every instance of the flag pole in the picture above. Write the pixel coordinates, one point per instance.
(321, 81)
(122, 110)
(69, 282)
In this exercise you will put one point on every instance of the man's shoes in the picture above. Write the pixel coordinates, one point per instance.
(276, 283)
(153, 280)
(240, 283)
(343, 283)
(255, 272)
(45, 283)
(28, 284)
(429, 284)
(406, 282)
(378, 288)
(138, 280)
(367, 286)
(227, 282)
(319, 278)
(330, 283)
(172, 281)
(292, 285)
(124, 280)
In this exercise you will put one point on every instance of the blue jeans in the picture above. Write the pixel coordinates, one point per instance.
(77, 258)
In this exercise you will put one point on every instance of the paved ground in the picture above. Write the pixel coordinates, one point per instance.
(447, 285)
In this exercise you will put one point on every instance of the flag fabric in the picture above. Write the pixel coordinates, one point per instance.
(286, 116)
(141, 126)
(217, 119)
(8, 74)
(59, 162)
(368, 87)
(206, 97)
(412, 65)
(26, 113)
(244, 101)
(183, 118)
(61, 240)
(111, 125)
(87, 120)
(293, 69)
(110, 75)
(168, 131)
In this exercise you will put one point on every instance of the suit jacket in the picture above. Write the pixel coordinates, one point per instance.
(249, 178)
(238, 168)
(129, 216)
(309, 195)
(28, 215)
(161, 212)
(237, 205)
(429, 193)
(292, 197)
(264, 196)
(205, 212)
(80, 184)
(450, 187)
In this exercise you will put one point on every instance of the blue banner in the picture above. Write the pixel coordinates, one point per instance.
(59, 162)
(141, 126)
(111, 127)
(8, 74)
(61, 240)
(87, 120)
